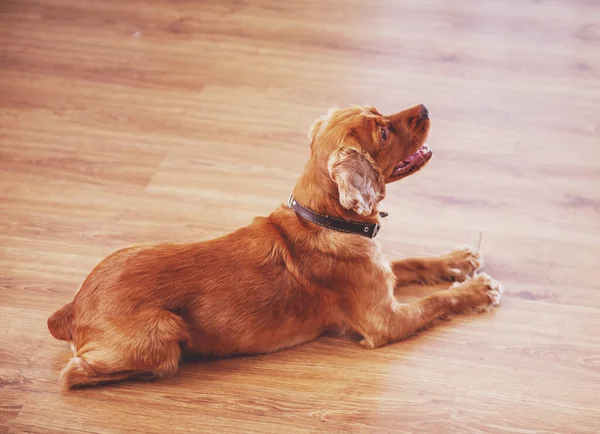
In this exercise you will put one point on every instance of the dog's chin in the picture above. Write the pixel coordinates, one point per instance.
(412, 164)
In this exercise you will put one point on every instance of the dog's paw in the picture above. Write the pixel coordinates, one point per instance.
(460, 264)
(480, 294)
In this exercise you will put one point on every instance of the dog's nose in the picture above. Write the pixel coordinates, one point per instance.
(424, 112)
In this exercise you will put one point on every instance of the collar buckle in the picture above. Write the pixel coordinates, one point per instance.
(375, 230)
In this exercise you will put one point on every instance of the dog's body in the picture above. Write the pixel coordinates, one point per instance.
(278, 282)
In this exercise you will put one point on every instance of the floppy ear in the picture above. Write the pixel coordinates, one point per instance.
(360, 183)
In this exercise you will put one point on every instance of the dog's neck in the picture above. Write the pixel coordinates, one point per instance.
(318, 192)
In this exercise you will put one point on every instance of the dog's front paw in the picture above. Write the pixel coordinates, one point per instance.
(480, 294)
(460, 264)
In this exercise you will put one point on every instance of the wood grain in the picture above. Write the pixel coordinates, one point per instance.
(135, 122)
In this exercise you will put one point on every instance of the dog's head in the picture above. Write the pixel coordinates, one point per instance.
(365, 150)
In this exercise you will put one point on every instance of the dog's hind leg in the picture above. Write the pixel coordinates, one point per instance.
(140, 346)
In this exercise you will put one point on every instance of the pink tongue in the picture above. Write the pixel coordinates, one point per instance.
(415, 160)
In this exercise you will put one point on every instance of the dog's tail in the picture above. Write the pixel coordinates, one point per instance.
(60, 322)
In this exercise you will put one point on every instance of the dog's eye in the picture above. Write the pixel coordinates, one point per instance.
(384, 134)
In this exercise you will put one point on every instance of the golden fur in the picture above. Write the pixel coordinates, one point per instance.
(276, 283)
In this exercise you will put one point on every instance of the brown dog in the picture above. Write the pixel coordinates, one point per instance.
(281, 281)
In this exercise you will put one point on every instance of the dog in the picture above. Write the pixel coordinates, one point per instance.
(311, 266)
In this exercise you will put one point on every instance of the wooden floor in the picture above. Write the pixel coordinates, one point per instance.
(138, 121)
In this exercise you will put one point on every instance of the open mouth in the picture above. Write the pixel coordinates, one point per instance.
(413, 163)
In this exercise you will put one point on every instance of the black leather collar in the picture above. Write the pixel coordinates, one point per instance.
(368, 230)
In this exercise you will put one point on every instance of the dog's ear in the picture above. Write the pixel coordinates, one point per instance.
(360, 183)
